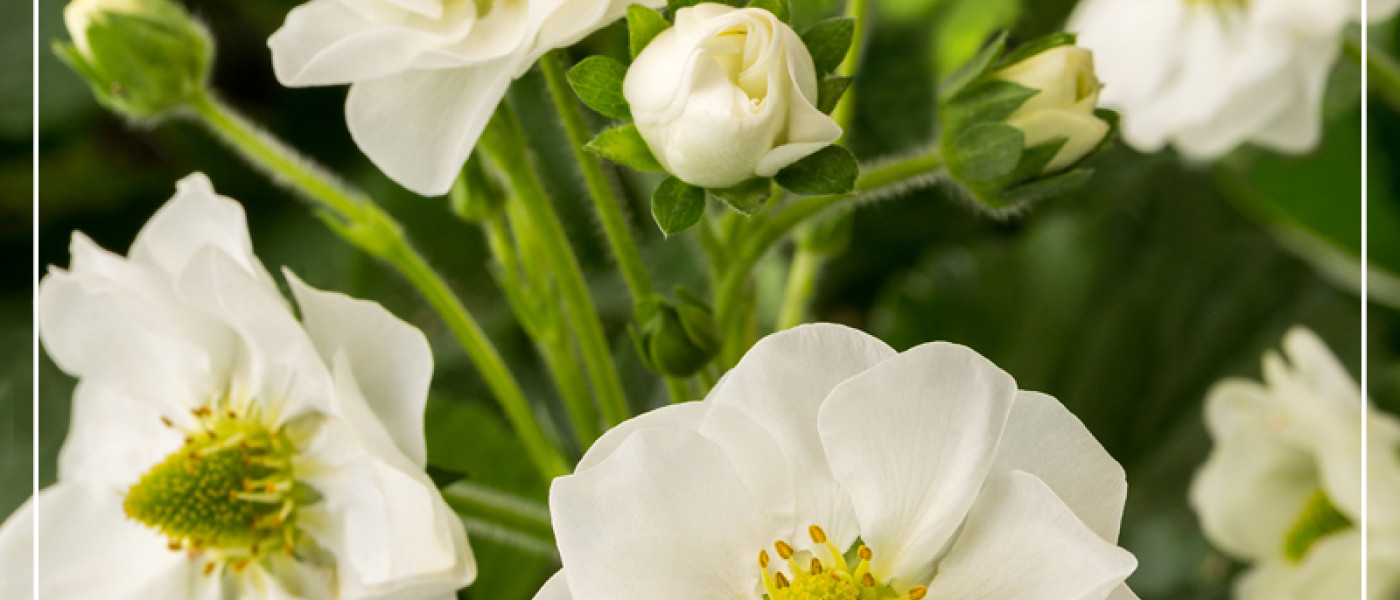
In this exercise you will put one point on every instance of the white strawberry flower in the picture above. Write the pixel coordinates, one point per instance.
(1282, 487)
(426, 75)
(826, 466)
(1208, 75)
(219, 446)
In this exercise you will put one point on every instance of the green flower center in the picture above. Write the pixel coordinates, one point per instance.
(1317, 519)
(229, 489)
(834, 579)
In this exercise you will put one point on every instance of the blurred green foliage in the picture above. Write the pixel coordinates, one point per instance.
(1126, 300)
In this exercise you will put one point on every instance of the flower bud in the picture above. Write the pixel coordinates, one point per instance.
(1015, 126)
(143, 58)
(1064, 107)
(677, 339)
(727, 95)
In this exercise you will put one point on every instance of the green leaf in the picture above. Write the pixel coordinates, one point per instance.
(779, 8)
(828, 42)
(677, 205)
(986, 151)
(624, 146)
(676, 5)
(747, 197)
(598, 82)
(1036, 46)
(829, 92)
(974, 68)
(831, 170)
(992, 101)
(643, 25)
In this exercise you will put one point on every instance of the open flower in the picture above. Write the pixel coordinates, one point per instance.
(726, 95)
(426, 75)
(1282, 488)
(1209, 75)
(955, 484)
(219, 447)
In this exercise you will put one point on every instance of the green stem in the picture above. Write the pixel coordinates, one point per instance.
(522, 514)
(802, 280)
(605, 202)
(1382, 69)
(764, 234)
(504, 142)
(540, 316)
(367, 226)
(845, 108)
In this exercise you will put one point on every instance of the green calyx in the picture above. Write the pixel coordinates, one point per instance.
(676, 339)
(1318, 518)
(230, 488)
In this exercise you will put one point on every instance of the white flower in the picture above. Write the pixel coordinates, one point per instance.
(1282, 488)
(1064, 108)
(726, 95)
(956, 484)
(1209, 75)
(426, 75)
(219, 448)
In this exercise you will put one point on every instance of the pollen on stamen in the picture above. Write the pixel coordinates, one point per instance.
(784, 550)
(816, 568)
(867, 580)
(781, 580)
(864, 552)
(763, 559)
(917, 592)
(818, 535)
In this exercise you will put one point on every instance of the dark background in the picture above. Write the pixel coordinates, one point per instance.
(1126, 300)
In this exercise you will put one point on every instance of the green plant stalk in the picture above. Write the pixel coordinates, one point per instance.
(1384, 75)
(764, 234)
(605, 202)
(521, 514)
(807, 265)
(504, 142)
(365, 225)
(802, 280)
(550, 339)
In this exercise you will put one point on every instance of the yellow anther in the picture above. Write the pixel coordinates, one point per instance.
(816, 568)
(818, 535)
(781, 580)
(784, 550)
(867, 580)
(763, 559)
(864, 552)
(917, 592)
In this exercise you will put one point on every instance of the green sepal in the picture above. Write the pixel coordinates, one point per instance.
(985, 152)
(991, 100)
(598, 82)
(830, 90)
(1024, 195)
(677, 205)
(1036, 46)
(747, 197)
(975, 68)
(624, 146)
(143, 65)
(828, 41)
(779, 8)
(643, 25)
(676, 339)
(831, 170)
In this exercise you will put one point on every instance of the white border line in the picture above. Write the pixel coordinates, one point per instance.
(1365, 293)
(34, 290)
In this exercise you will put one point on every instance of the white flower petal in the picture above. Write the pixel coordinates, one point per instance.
(665, 516)
(113, 439)
(1253, 486)
(392, 362)
(195, 218)
(770, 481)
(1330, 569)
(556, 588)
(1021, 543)
(419, 127)
(1119, 593)
(781, 383)
(1044, 439)
(911, 440)
(1299, 127)
(89, 549)
(380, 515)
(327, 42)
(17, 553)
